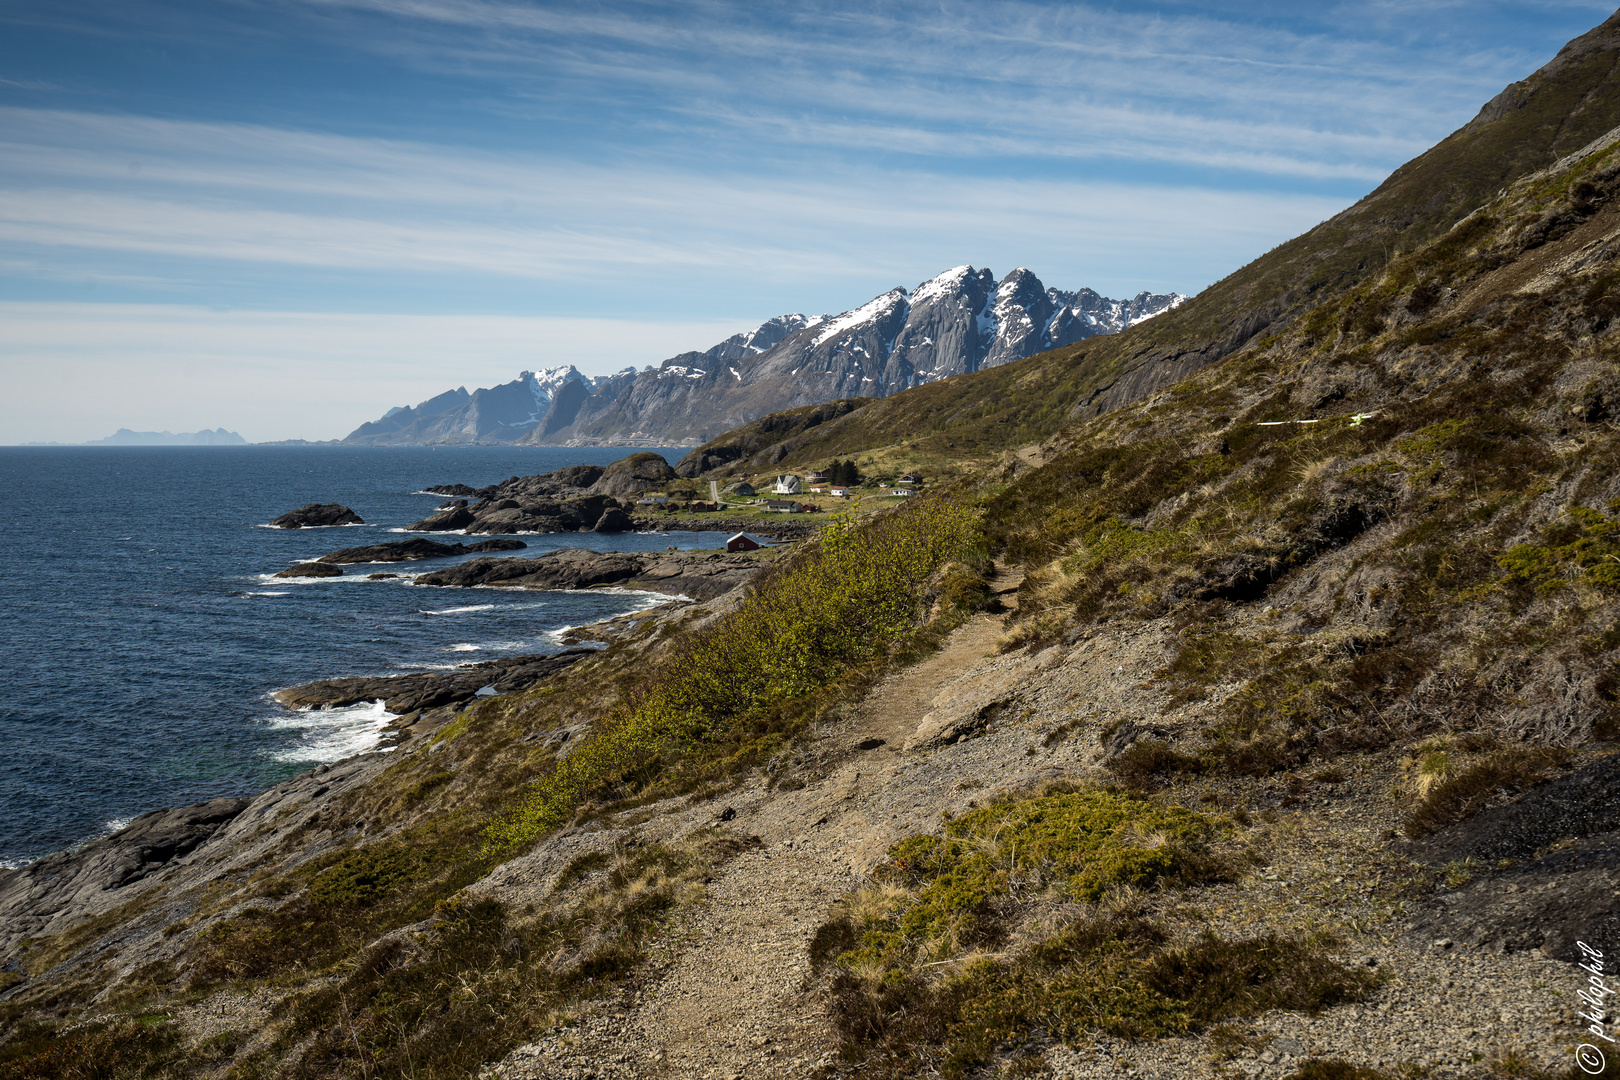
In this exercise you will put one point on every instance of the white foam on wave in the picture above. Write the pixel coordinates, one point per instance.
(308, 528)
(459, 610)
(267, 593)
(461, 648)
(333, 734)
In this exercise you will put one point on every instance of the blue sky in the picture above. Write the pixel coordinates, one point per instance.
(285, 216)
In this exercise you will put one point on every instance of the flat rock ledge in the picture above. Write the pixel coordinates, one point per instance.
(431, 689)
(417, 548)
(700, 576)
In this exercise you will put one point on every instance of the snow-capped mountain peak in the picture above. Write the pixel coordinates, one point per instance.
(958, 321)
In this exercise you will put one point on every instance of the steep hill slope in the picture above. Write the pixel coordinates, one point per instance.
(1562, 107)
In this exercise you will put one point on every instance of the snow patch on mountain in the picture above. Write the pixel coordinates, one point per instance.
(869, 312)
(958, 321)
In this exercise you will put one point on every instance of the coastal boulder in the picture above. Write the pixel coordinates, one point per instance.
(613, 520)
(566, 569)
(634, 475)
(452, 520)
(317, 515)
(312, 569)
(502, 544)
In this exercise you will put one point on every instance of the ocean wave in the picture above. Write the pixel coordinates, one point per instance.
(462, 648)
(333, 734)
(267, 593)
(458, 610)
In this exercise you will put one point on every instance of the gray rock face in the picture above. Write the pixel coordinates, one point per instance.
(317, 515)
(614, 521)
(633, 475)
(31, 895)
(954, 323)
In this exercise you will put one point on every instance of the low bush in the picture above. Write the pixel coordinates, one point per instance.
(1467, 791)
(1153, 757)
(120, 1050)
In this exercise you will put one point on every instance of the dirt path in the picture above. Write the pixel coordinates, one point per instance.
(732, 1002)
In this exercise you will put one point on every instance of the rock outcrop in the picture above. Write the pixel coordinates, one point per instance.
(579, 498)
(312, 569)
(633, 475)
(412, 550)
(699, 576)
(430, 689)
(318, 515)
(76, 881)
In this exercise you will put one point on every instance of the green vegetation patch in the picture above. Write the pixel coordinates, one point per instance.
(1585, 545)
(918, 985)
(367, 876)
(1080, 844)
(808, 624)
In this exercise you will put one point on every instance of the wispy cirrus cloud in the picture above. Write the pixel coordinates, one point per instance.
(252, 194)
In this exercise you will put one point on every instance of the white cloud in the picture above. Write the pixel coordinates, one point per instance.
(258, 195)
(75, 372)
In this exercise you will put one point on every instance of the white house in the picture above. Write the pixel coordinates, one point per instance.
(786, 485)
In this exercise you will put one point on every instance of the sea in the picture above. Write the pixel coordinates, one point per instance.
(142, 630)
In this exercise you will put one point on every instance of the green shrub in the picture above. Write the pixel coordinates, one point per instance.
(1080, 844)
(366, 876)
(1587, 544)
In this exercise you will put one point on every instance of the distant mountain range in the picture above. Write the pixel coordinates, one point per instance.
(957, 322)
(125, 437)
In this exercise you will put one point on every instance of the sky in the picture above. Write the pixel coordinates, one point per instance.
(286, 216)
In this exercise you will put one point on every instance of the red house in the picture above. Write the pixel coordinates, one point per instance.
(742, 542)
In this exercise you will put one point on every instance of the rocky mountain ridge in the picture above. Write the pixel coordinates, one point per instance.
(959, 321)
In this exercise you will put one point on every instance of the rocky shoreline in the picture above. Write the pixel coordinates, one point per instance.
(64, 888)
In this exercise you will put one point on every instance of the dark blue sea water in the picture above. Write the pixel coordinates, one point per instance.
(141, 632)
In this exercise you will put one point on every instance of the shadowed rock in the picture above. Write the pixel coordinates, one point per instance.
(419, 548)
(317, 515)
(312, 569)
